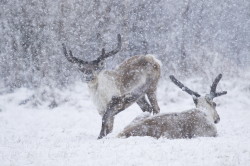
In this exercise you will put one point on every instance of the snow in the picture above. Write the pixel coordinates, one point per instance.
(49, 126)
(67, 134)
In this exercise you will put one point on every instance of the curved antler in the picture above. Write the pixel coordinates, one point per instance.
(183, 87)
(213, 92)
(104, 55)
(113, 52)
(71, 58)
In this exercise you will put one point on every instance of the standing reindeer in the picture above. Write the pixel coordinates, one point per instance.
(188, 124)
(115, 90)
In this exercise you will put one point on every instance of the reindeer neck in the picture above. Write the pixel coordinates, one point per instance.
(204, 107)
(102, 89)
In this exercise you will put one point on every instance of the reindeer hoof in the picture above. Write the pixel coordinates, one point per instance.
(102, 134)
(100, 137)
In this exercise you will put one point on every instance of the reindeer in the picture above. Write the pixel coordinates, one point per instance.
(197, 122)
(115, 90)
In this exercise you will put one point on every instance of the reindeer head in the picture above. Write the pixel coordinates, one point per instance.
(91, 68)
(204, 103)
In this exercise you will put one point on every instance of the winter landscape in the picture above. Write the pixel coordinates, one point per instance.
(47, 113)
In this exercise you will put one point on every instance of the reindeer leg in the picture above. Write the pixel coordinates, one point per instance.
(151, 93)
(153, 100)
(111, 124)
(144, 105)
(107, 119)
(118, 104)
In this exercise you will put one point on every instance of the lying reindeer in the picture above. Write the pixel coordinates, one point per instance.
(197, 122)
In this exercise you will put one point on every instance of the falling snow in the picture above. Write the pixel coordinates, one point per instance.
(46, 116)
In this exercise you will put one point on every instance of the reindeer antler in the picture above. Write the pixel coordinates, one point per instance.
(71, 58)
(183, 87)
(113, 52)
(213, 92)
(104, 55)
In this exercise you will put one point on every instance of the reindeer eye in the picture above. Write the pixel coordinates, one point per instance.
(101, 63)
(214, 104)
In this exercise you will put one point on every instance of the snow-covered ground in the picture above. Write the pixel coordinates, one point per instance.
(67, 135)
